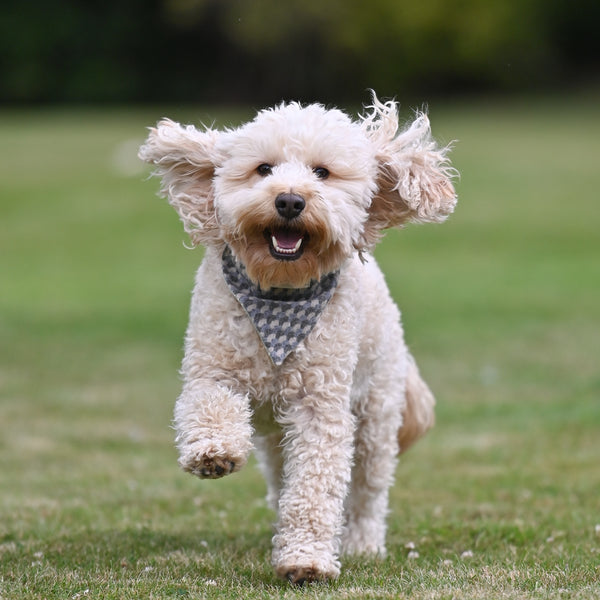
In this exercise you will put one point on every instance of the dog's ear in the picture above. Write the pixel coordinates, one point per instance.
(185, 158)
(414, 176)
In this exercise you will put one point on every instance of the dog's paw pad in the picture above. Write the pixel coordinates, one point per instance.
(212, 467)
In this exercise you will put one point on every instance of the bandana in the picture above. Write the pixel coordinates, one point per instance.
(282, 317)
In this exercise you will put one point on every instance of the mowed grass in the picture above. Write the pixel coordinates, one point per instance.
(501, 307)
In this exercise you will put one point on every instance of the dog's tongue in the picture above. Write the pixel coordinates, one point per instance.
(287, 239)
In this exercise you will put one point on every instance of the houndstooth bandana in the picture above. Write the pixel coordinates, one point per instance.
(282, 317)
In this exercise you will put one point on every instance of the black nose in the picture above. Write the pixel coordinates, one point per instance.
(289, 206)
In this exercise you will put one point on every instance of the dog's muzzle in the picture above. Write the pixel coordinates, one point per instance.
(287, 241)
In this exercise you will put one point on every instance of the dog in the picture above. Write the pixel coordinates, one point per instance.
(294, 347)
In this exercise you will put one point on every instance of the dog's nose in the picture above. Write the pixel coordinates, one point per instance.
(289, 205)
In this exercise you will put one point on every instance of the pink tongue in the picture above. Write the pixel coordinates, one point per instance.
(287, 238)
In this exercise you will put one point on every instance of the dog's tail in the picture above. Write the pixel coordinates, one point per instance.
(418, 415)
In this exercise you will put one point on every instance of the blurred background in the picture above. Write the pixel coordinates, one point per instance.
(263, 51)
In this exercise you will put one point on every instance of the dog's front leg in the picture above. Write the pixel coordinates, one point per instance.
(318, 432)
(213, 429)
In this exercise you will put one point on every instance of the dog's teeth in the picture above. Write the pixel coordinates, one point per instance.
(281, 250)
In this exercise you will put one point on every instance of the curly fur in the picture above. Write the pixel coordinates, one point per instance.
(327, 425)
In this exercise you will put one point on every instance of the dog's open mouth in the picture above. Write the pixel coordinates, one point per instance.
(286, 243)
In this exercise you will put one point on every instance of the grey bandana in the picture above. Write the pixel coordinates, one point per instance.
(282, 317)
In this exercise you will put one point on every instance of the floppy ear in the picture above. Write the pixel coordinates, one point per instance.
(414, 175)
(185, 159)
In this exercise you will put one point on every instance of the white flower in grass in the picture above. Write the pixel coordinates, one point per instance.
(467, 554)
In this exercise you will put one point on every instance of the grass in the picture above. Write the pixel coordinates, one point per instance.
(501, 307)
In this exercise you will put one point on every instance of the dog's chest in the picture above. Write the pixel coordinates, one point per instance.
(282, 318)
(230, 348)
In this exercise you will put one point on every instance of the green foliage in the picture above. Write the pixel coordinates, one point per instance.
(430, 44)
(265, 50)
(500, 308)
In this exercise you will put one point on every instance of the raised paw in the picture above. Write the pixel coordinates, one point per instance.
(210, 467)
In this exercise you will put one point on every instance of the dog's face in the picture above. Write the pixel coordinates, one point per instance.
(292, 192)
(298, 190)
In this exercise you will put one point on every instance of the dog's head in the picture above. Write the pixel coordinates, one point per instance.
(298, 190)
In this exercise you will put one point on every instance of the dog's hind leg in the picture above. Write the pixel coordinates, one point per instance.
(398, 411)
(375, 458)
(268, 451)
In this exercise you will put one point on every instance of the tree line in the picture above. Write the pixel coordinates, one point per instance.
(257, 51)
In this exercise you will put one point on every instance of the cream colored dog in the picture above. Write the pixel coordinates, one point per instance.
(294, 346)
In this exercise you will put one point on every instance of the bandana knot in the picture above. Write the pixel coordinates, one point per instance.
(282, 317)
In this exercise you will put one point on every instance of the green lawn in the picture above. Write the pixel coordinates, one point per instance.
(501, 308)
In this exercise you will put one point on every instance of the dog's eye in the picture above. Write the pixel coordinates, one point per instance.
(264, 169)
(321, 172)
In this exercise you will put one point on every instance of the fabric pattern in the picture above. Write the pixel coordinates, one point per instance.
(282, 317)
